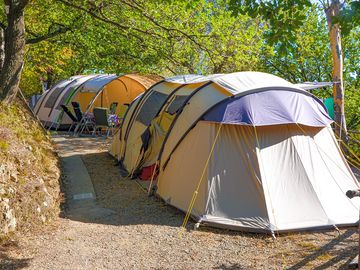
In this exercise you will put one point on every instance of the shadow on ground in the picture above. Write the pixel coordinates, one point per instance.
(7, 262)
(81, 144)
(341, 247)
(119, 201)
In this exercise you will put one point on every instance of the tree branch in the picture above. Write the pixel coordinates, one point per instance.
(61, 30)
(167, 29)
(106, 20)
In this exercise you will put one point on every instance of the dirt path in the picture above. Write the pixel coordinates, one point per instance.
(133, 231)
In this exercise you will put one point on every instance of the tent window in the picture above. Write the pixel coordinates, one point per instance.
(176, 104)
(65, 97)
(151, 107)
(53, 97)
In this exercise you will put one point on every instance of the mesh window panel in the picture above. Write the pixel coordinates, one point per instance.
(53, 97)
(65, 97)
(176, 104)
(150, 108)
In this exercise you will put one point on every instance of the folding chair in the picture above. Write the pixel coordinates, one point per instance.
(71, 116)
(83, 122)
(101, 120)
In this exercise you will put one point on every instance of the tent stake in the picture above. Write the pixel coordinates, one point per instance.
(196, 226)
(337, 229)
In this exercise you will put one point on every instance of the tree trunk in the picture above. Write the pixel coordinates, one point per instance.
(2, 48)
(49, 80)
(14, 49)
(337, 56)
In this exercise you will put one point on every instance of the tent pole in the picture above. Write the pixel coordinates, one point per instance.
(152, 177)
(268, 192)
(193, 199)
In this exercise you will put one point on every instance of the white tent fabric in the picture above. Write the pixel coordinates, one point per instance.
(58, 87)
(283, 184)
(186, 79)
(56, 112)
(97, 83)
(246, 82)
(214, 88)
(48, 107)
(277, 176)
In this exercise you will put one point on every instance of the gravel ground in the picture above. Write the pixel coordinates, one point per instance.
(143, 233)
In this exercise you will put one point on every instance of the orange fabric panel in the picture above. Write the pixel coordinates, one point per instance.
(84, 99)
(122, 90)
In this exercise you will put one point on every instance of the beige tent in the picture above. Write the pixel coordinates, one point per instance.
(246, 151)
(151, 109)
(89, 91)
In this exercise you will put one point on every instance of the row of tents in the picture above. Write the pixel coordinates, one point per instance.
(89, 91)
(247, 150)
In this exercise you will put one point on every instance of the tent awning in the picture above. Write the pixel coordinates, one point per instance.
(313, 85)
(95, 84)
(273, 107)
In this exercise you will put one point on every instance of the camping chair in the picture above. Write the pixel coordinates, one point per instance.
(83, 122)
(113, 107)
(101, 120)
(71, 116)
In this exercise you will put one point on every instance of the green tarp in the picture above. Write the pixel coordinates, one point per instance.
(329, 104)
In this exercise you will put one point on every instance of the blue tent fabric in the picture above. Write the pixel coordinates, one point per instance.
(272, 107)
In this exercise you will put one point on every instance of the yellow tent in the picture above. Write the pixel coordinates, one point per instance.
(90, 91)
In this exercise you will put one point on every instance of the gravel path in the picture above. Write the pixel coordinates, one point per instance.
(143, 233)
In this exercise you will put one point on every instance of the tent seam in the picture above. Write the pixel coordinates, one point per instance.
(307, 176)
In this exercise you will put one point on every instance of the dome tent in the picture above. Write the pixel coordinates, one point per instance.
(255, 151)
(90, 91)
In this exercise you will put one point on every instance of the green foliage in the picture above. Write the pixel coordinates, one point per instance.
(283, 16)
(307, 57)
(352, 108)
(4, 145)
(298, 44)
(286, 17)
(286, 38)
(349, 17)
(205, 39)
(166, 37)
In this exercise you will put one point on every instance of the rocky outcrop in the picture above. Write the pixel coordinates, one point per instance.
(29, 174)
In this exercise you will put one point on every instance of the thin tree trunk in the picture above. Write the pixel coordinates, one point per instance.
(49, 80)
(337, 56)
(2, 48)
(14, 49)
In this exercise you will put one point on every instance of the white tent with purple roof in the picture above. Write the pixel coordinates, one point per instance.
(247, 151)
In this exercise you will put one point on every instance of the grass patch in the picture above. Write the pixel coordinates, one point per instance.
(308, 245)
(324, 257)
(38, 135)
(4, 145)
